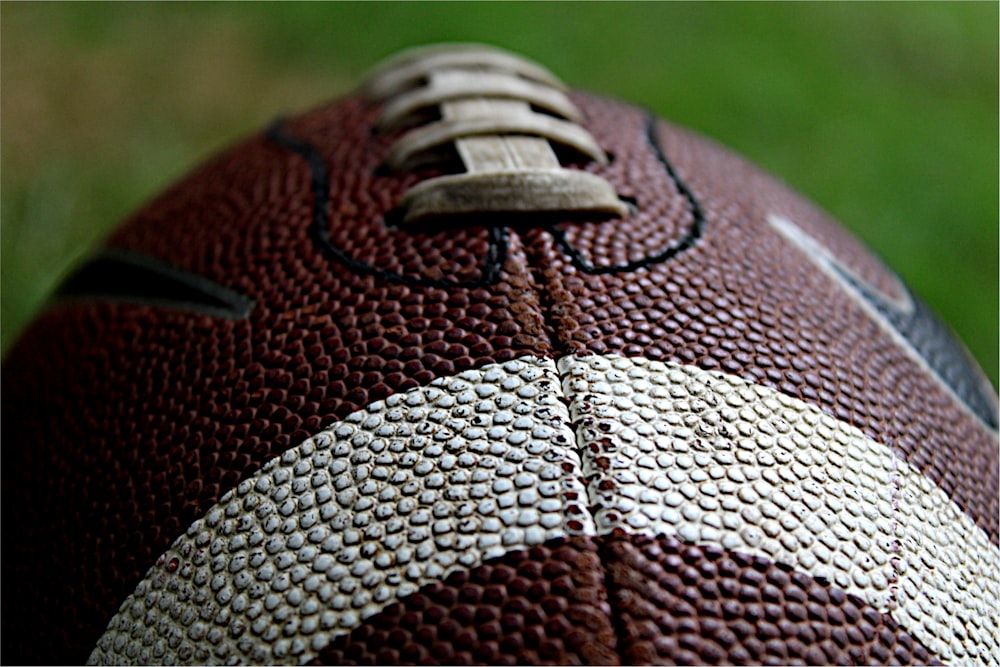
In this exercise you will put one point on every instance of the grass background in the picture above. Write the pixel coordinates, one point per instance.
(884, 114)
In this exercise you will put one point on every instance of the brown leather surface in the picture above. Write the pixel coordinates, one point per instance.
(682, 604)
(123, 423)
(162, 411)
(745, 301)
(668, 603)
(543, 606)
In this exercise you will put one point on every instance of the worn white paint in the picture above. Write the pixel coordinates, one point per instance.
(474, 466)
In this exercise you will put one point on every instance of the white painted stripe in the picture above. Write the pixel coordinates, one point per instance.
(713, 459)
(826, 261)
(393, 497)
(474, 466)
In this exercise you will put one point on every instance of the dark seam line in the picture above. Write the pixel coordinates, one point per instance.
(559, 349)
(619, 624)
(497, 254)
(126, 276)
(320, 234)
(604, 543)
(686, 242)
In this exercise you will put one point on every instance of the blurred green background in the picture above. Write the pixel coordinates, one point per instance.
(884, 114)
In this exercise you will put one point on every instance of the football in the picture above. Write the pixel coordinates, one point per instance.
(473, 368)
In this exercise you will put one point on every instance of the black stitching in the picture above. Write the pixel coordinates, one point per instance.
(131, 277)
(498, 234)
(686, 242)
(319, 227)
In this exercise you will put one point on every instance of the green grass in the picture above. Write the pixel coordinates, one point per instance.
(884, 114)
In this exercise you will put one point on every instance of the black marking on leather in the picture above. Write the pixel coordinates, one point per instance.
(320, 233)
(496, 256)
(130, 277)
(935, 343)
(498, 232)
(686, 242)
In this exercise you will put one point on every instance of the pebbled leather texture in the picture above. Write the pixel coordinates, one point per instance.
(124, 423)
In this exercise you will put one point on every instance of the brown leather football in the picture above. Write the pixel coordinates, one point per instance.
(470, 368)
